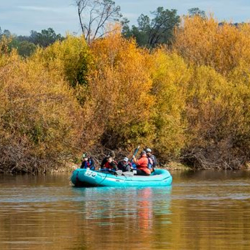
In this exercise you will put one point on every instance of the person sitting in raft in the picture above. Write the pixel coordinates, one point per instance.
(124, 165)
(152, 159)
(142, 164)
(87, 162)
(108, 163)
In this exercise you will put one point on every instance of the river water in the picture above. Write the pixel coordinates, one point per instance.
(202, 210)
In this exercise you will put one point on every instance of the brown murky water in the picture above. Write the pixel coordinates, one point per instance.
(202, 210)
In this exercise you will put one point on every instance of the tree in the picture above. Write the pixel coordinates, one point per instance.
(159, 30)
(4, 46)
(205, 42)
(119, 103)
(39, 116)
(196, 11)
(26, 48)
(70, 57)
(99, 12)
(33, 36)
(170, 75)
(45, 37)
(6, 33)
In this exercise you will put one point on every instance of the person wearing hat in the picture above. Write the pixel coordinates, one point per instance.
(152, 157)
(87, 162)
(124, 165)
(142, 164)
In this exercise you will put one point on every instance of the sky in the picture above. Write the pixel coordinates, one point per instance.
(22, 16)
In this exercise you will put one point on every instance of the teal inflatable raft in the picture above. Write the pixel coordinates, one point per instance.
(89, 178)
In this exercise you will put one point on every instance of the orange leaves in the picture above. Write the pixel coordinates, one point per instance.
(218, 92)
(120, 87)
(117, 95)
(207, 42)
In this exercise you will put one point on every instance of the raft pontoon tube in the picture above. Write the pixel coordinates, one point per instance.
(89, 178)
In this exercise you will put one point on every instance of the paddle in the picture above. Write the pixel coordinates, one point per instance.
(134, 154)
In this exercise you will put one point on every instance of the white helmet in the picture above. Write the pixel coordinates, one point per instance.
(125, 159)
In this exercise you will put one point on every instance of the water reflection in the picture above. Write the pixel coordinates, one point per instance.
(47, 213)
(121, 218)
(203, 210)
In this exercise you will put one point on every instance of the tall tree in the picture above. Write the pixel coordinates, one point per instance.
(159, 30)
(196, 12)
(5, 33)
(26, 48)
(45, 37)
(93, 16)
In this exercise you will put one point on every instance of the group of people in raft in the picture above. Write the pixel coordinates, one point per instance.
(145, 165)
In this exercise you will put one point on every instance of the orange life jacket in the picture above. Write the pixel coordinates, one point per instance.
(142, 164)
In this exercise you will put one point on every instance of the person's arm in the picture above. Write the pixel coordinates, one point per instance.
(139, 161)
(134, 159)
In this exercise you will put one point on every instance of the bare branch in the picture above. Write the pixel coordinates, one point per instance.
(81, 6)
(99, 12)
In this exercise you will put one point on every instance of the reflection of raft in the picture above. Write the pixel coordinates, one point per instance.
(90, 178)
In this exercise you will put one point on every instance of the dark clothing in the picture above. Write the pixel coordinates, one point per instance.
(108, 165)
(124, 166)
(104, 161)
(154, 160)
(88, 164)
(141, 172)
(111, 165)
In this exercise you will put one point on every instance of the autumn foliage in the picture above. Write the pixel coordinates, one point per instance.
(218, 91)
(39, 116)
(189, 102)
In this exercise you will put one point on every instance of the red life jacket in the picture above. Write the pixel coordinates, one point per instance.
(107, 165)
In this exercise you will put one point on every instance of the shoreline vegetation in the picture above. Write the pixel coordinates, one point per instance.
(188, 99)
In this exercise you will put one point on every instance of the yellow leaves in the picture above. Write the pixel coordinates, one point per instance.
(39, 112)
(206, 42)
(4, 43)
(69, 58)
(170, 77)
(218, 93)
(118, 95)
(120, 88)
(211, 110)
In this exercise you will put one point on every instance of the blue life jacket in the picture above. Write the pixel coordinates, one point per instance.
(134, 165)
(88, 164)
(150, 163)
